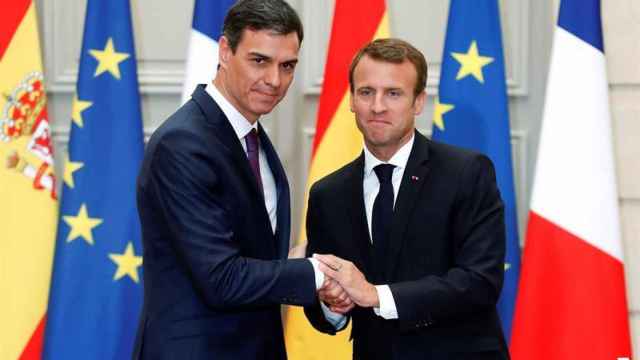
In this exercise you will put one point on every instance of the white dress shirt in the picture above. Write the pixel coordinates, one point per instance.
(242, 127)
(371, 187)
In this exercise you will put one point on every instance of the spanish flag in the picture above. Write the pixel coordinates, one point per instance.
(28, 206)
(337, 141)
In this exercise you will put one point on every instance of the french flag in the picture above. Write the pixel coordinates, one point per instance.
(571, 303)
(202, 58)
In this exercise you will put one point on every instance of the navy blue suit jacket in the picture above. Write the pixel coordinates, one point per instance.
(445, 263)
(214, 272)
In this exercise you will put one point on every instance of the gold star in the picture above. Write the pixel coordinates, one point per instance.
(69, 168)
(127, 263)
(81, 225)
(471, 62)
(507, 266)
(77, 108)
(108, 59)
(440, 109)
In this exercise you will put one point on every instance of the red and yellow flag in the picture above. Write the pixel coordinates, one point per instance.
(337, 141)
(28, 206)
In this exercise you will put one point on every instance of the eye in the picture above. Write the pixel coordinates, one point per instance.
(259, 60)
(289, 66)
(395, 93)
(365, 92)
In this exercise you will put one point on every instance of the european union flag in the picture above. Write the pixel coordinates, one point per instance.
(96, 289)
(472, 112)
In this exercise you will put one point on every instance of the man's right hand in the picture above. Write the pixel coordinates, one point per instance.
(334, 296)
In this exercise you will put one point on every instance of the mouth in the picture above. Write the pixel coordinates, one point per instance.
(378, 122)
(266, 95)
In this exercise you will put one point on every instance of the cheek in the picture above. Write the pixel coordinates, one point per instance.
(286, 81)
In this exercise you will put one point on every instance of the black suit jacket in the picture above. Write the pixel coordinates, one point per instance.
(446, 258)
(214, 273)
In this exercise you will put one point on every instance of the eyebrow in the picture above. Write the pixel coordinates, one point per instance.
(390, 88)
(257, 54)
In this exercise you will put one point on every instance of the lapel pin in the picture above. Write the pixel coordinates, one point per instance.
(414, 178)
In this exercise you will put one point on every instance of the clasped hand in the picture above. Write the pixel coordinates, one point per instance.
(345, 286)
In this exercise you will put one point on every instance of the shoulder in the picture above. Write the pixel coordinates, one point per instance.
(184, 140)
(456, 159)
(186, 130)
(337, 180)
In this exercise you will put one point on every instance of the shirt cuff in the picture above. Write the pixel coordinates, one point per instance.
(319, 275)
(337, 320)
(387, 309)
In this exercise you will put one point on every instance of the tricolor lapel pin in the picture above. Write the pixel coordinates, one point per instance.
(414, 178)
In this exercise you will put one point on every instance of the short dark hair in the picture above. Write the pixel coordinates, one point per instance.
(274, 15)
(394, 51)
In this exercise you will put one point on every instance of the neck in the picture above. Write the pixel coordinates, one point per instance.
(220, 84)
(385, 152)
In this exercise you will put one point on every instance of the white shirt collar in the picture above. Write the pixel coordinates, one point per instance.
(240, 124)
(399, 159)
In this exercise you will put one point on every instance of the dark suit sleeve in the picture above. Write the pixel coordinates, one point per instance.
(475, 280)
(185, 185)
(316, 243)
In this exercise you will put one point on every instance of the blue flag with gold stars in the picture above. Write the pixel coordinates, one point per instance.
(472, 112)
(96, 290)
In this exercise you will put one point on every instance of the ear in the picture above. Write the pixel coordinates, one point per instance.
(419, 102)
(351, 101)
(224, 51)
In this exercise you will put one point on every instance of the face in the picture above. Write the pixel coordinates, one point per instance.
(384, 104)
(256, 77)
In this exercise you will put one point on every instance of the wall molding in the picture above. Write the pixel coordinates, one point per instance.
(61, 136)
(63, 21)
(317, 15)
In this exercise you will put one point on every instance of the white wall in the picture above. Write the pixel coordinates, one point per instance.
(621, 22)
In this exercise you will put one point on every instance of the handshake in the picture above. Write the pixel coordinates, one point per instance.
(344, 284)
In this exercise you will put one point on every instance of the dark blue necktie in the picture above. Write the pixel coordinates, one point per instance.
(253, 151)
(382, 215)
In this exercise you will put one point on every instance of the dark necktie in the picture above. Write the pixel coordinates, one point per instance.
(253, 151)
(382, 215)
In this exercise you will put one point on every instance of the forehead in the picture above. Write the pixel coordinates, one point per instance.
(376, 73)
(270, 43)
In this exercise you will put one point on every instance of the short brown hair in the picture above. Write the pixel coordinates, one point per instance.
(394, 51)
(275, 15)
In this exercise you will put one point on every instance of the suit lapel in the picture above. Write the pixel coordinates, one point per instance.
(412, 181)
(228, 137)
(358, 214)
(283, 227)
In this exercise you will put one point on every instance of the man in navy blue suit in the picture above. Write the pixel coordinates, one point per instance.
(416, 226)
(213, 200)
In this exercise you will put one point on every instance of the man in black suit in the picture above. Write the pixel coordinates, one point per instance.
(417, 227)
(213, 199)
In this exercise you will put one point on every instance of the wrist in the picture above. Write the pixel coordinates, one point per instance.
(374, 299)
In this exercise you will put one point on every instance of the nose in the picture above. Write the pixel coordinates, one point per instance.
(272, 76)
(378, 105)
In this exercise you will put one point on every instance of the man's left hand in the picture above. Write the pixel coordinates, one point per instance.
(351, 279)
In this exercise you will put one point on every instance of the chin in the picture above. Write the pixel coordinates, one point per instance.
(378, 141)
(262, 110)
(265, 107)
(377, 137)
